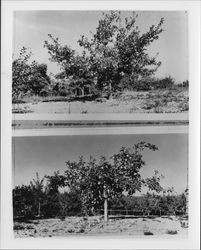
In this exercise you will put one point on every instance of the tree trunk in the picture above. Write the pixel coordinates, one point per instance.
(105, 210)
(105, 207)
(39, 209)
(82, 92)
(110, 86)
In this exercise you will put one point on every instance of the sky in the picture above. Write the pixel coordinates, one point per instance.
(48, 154)
(31, 29)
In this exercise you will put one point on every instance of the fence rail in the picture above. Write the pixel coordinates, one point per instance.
(138, 212)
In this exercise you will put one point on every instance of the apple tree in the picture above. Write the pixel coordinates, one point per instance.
(117, 49)
(98, 181)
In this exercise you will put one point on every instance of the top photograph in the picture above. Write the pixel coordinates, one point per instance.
(88, 62)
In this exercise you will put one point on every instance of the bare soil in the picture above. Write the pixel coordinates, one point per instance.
(95, 226)
(156, 101)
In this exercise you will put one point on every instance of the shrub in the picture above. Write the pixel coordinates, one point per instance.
(29, 227)
(171, 232)
(148, 233)
(19, 227)
(70, 231)
(21, 110)
(184, 106)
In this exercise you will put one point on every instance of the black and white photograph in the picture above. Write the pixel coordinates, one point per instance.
(100, 125)
(101, 185)
(100, 62)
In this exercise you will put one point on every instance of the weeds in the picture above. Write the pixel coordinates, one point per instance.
(148, 233)
(19, 227)
(29, 227)
(21, 111)
(70, 231)
(171, 232)
(22, 227)
(154, 101)
(84, 111)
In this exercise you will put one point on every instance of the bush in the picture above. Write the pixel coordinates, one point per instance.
(19, 227)
(146, 83)
(183, 106)
(148, 233)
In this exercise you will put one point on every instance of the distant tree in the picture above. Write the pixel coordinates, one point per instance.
(28, 77)
(37, 187)
(185, 84)
(61, 204)
(115, 50)
(70, 203)
(51, 206)
(21, 72)
(73, 66)
(167, 82)
(54, 182)
(39, 82)
(23, 201)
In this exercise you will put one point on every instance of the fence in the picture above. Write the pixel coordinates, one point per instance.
(138, 212)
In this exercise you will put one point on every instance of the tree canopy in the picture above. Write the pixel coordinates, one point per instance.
(116, 49)
(96, 181)
(28, 77)
(89, 185)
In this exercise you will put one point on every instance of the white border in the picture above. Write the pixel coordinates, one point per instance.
(7, 240)
(102, 131)
(100, 117)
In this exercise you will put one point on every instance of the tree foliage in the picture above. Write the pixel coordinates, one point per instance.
(117, 48)
(87, 185)
(28, 77)
(96, 181)
(23, 201)
(21, 72)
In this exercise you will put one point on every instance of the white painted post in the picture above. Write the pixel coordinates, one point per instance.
(39, 209)
(105, 210)
(105, 206)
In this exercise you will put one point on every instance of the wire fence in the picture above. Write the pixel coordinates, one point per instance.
(139, 212)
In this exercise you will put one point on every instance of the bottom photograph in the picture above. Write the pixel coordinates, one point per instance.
(100, 185)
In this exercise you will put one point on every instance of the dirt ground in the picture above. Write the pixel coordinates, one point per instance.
(95, 226)
(162, 101)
